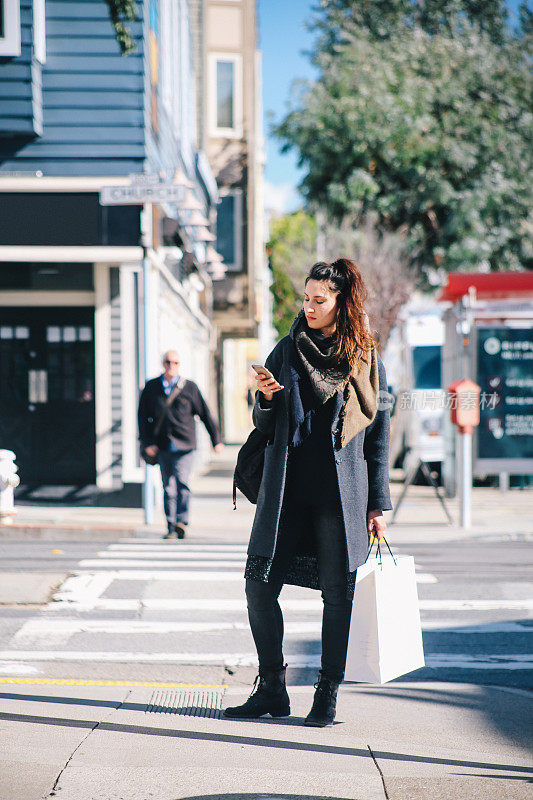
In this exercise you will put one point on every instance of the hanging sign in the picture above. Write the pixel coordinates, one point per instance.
(140, 193)
(505, 374)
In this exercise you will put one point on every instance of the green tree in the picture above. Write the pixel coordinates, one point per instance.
(121, 12)
(421, 113)
(382, 258)
(292, 251)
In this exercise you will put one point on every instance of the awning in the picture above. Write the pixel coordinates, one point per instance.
(487, 284)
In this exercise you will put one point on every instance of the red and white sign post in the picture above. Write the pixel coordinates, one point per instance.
(465, 414)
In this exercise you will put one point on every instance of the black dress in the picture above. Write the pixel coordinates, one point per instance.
(311, 469)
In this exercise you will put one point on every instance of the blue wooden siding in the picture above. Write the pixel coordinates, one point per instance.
(96, 104)
(20, 85)
(92, 96)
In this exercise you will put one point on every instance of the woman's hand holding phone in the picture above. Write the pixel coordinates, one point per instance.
(266, 382)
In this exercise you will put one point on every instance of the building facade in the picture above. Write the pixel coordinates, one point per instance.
(231, 124)
(77, 116)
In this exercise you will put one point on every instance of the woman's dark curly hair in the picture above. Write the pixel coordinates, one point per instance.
(353, 338)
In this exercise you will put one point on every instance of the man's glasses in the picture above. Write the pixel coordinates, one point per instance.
(166, 361)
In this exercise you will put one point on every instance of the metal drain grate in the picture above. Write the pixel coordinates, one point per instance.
(187, 703)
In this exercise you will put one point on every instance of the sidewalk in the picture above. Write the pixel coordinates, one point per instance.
(399, 741)
(112, 740)
(494, 513)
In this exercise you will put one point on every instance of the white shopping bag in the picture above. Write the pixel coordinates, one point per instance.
(385, 638)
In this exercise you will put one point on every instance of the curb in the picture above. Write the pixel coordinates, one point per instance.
(82, 532)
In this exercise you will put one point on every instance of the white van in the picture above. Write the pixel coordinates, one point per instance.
(413, 362)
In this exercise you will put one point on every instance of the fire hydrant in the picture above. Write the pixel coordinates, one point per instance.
(9, 480)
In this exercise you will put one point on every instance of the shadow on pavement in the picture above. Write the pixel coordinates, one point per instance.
(488, 775)
(281, 744)
(493, 701)
(261, 796)
(125, 706)
(517, 727)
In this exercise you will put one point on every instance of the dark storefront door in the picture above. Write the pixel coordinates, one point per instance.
(47, 393)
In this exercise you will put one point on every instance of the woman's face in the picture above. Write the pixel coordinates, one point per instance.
(320, 306)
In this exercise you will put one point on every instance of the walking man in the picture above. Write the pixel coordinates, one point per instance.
(167, 431)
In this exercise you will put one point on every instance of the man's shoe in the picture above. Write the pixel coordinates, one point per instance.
(171, 533)
(324, 704)
(181, 530)
(269, 696)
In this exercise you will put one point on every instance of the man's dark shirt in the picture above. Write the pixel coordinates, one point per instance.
(178, 426)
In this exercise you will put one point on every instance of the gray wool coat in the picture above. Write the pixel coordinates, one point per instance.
(362, 471)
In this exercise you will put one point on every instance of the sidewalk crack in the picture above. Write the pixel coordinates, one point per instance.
(380, 772)
(52, 791)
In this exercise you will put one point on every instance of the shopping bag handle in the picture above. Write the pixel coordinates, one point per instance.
(378, 550)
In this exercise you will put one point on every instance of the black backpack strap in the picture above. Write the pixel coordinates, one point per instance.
(168, 402)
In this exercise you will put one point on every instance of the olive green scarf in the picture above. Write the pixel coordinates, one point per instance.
(360, 388)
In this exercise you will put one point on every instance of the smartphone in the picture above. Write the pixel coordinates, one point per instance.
(262, 370)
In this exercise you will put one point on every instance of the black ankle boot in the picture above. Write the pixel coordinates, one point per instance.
(269, 696)
(324, 704)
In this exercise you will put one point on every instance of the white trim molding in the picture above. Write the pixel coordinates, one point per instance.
(67, 254)
(10, 40)
(39, 31)
(42, 183)
(102, 364)
(236, 131)
(39, 298)
(131, 473)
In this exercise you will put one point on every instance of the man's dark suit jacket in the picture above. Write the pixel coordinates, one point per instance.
(178, 426)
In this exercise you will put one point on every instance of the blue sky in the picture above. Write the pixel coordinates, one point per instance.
(282, 38)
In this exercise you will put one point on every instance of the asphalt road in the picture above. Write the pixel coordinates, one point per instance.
(154, 610)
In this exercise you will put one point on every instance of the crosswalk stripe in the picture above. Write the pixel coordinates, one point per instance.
(173, 554)
(177, 604)
(174, 575)
(490, 661)
(485, 661)
(91, 563)
(236, 574)
(164, 555)
(226, 604)
(62, 629)
(476, 605)
(69, 627)
(46, 638)
(182, 544)
(174, 546)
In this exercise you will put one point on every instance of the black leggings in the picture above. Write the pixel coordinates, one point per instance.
(325, 523)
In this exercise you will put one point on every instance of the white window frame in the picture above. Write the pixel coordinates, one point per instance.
(176, 69)
(39, 31)
(10, 41)
(237, 265)
(227, 133)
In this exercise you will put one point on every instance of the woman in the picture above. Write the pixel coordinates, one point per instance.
(325, 481)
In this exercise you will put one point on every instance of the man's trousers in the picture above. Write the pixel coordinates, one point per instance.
(175, 472)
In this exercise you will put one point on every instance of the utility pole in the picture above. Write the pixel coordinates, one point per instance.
(146, 233)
